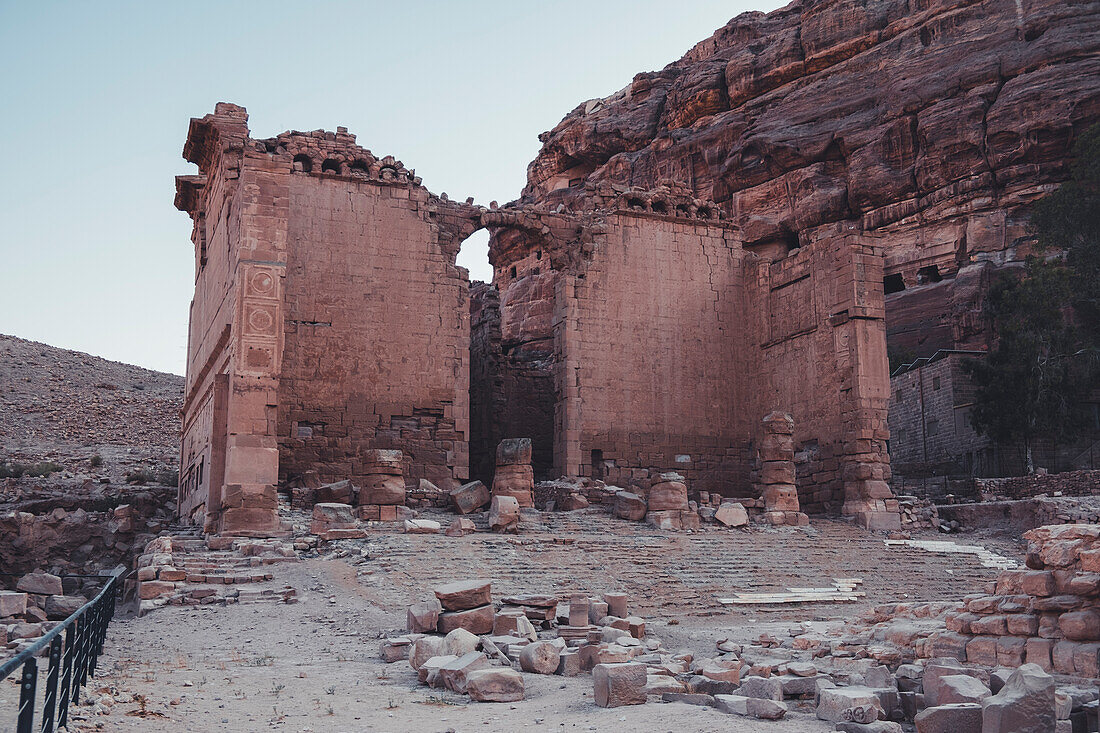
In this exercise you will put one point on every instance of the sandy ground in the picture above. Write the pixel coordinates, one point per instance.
(314, 666)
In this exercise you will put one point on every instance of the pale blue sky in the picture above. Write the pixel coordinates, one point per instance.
(97, 97)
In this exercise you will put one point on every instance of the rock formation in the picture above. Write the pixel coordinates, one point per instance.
(929, 125)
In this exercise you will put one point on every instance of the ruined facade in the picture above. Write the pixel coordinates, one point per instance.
(330, 320)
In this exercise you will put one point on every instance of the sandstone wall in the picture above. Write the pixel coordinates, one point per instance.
(655, 351)
(377, 334)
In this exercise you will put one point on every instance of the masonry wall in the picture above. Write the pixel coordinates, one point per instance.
(376, 334)
(654, 349)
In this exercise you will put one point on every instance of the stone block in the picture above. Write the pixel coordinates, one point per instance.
(1038, 651)
(615, 685)
(832, 702)
(59, 608)
(629, 506)
(464, 594)
(12, 603)
(422, 618)
(43, 584)
(504, 514)
(460, 527)
(665, 520)
(383, 490)
(514, 451)
(769, 688)
(732, 514)
(475, 620)
(470, 497)
(495, 684)
(515, 481)
(1080, 625)
(957, 688)
(668, 496)
(424, 649)
(1024, 705)
(455, 674)
(422, 526)
(151, 589)
(1011, 651)
(954, 718)
(982, 650)
(540, 657)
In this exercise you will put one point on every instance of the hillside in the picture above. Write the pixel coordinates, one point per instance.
(65, 406)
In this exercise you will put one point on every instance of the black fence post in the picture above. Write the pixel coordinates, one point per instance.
(50, 702)
(26, 696)
(66, 679)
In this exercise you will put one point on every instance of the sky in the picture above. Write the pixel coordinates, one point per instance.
(97, 99)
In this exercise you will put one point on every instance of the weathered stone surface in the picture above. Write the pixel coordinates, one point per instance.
(42, 584)
(424, 649)
(504, 514)
(953, 718)
(458, 642)
(768, 688)
(455, 673)
(422, 526)
(460, 527)
(59, 608)
(832, 702)
(470, 497)
(668, 496)
(475, 620)
(619, 684)
(630, 506)
(732, 514)
(12, 603)
(1024, 705)
(959, 688)
(540, 657)
(495, 685)
(464, 594)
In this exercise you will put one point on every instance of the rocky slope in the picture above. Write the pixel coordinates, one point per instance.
(60, 403)
(97, 445)
(931, 124)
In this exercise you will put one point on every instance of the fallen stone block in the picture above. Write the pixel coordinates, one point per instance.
(514, 622)
(732, 514)
(619, 684)
(540, 657)
(504, 514)
(154, 589)
(396, 649)
(767, 688)
(470, 497)
(495, 684)
(665, 520)
(43, 584)
(958, 688)
(475, 620)
(429, 671)
(459, 642)
(659, 684)
(832, 702)
(422, 526)
(461, 527)
(424, 649)
(464, 594)
(934, 670)
(59, 608)
(456, 672)
(879, 726)
(963, 717)
(689, 698)
(12, 603)
(629, 506)
(569, 663)
(1024, 705)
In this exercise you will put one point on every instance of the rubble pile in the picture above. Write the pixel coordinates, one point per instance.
(39, 601)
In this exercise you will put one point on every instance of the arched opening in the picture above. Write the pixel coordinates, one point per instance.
(893, 283)
(360, 168)
(303, 163)
(330, 166)
(474, 256)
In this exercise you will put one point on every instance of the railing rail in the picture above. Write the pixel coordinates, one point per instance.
(70, 661)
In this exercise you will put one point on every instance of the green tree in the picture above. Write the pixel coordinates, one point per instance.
(1036, 378)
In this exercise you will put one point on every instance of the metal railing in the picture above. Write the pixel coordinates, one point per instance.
(70, 661)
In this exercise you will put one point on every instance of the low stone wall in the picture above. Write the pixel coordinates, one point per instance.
(1069, 483)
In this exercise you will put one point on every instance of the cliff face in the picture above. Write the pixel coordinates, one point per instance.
(929, 123)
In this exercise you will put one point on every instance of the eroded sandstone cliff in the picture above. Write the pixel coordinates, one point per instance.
(929, 123)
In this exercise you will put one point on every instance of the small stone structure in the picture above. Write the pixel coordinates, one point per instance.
(777, 472)
(514, 476)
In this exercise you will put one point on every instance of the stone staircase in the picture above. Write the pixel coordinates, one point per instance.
(184, 568)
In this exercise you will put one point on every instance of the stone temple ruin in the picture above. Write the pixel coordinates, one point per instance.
(627, 333)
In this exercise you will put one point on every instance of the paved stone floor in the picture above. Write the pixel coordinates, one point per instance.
(313, 666)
